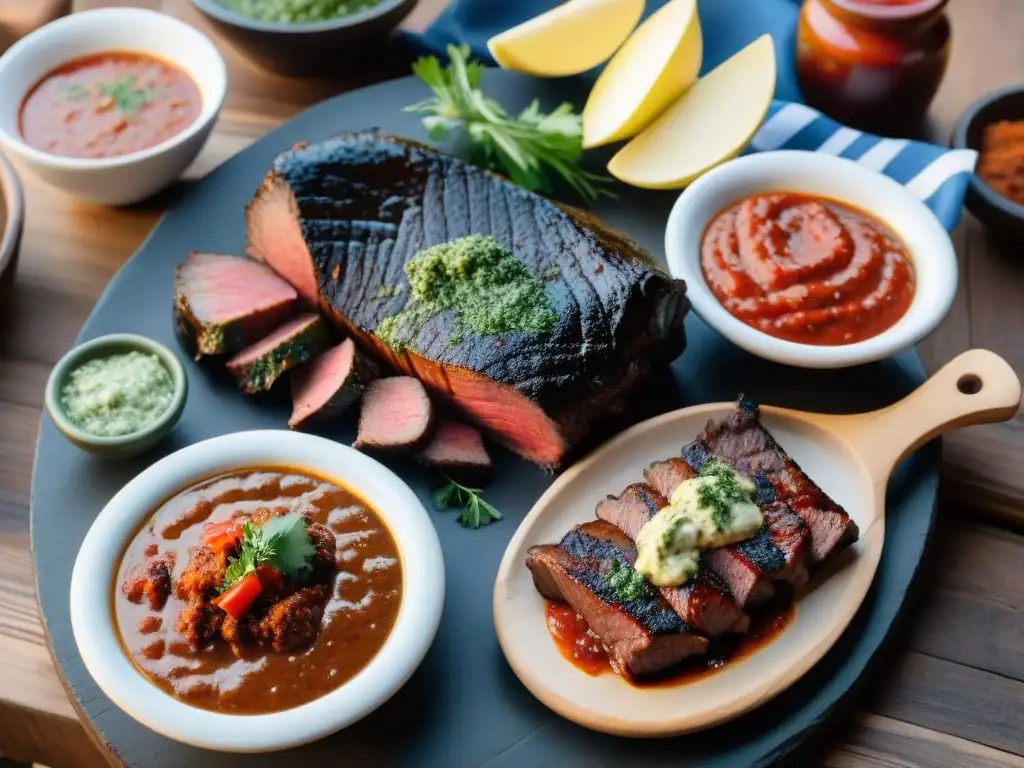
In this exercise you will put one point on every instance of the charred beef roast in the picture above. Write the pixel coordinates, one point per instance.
(340, 219)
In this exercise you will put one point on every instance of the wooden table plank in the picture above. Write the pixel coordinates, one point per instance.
(881, 742)
(982, 463)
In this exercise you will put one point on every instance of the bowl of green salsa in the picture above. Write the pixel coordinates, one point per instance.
(305, 37)
(117, 395)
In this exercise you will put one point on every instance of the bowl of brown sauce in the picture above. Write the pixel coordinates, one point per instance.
(811, 260)
(110, 105)
(257, 591)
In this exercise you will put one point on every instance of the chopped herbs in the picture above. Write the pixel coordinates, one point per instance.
(627, 582)
(282, 543)
(535, 150)
(299, 11)
(720, 495)
(126, 95)
(475, 511)
(490, 291)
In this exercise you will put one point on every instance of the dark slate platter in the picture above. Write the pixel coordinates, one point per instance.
(463, 707)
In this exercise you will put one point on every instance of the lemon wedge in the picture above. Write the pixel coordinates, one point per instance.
(653, 69)
(710, 124)
(569, 39)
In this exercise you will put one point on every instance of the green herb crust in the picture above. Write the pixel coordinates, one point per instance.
(628, 583)
(477, 277)
(299, 11)
(260, 373)
(720, 496)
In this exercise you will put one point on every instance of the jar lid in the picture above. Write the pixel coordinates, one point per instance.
(890, 9)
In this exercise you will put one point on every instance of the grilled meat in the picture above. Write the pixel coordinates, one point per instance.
(340, 219)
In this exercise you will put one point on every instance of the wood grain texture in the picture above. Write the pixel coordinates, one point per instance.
(982, 464)
(953, 695)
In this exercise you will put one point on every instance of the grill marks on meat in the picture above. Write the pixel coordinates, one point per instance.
(641, 636)
(340, 219)
(742, 441)
(709, 600)
(703, 603)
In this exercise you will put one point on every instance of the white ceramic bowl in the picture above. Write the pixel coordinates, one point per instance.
(813, 173)
(127, 178)
(95, 573)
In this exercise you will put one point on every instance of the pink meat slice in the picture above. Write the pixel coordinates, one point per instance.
(326, 384)
(458, 450)
(222, 288)
(397, 415)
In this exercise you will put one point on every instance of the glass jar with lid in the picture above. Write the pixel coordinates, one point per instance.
(872, 64)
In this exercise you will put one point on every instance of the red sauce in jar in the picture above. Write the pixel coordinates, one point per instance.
(872, 64)
(582, 648)
(108, 104)
(807, 269)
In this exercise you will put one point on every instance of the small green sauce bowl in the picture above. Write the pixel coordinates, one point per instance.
(120, 446)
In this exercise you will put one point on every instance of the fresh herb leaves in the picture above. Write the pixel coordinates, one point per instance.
(628, 583)
(282, 543)
(475, 511)
(722, 493)
(126, 94)
(533, 149)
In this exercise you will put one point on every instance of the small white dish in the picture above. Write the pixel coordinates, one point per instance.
(95, 572)
(928, 243)
(127, 178)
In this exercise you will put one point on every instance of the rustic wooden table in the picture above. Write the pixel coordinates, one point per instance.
(952, 694)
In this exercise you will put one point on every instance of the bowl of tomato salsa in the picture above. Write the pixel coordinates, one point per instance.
(811, 260)
(110, 105)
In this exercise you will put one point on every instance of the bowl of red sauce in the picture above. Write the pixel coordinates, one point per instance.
(811, 260)
(110, 105)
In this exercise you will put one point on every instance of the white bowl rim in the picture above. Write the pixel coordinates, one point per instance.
(745, 176)
(236, 19)
(212, 102)
(95, 573)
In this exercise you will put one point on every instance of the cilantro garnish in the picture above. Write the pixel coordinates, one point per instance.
(475, 511)
(282, 543)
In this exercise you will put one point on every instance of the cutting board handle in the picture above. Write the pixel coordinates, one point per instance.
(976, 387)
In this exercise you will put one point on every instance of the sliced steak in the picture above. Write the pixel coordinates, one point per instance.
(641, 636)
(458, 450)
(257, 367)
(742, 441)
(632, 508)
(703, 602)
(396, 416)
(325, 387)
(340, 219)
(665, 476)
(224, 303)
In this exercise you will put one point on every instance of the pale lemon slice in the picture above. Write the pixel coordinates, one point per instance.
(710, 124)
(569, 39)
(653, 69)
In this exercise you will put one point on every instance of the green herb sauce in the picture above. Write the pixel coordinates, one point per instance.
(299, 11)
(489, 290)
(627, 582)
(722, 495)
(117, 395)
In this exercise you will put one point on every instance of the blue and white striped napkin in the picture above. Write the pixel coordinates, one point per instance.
(933, 174)
(937, 175)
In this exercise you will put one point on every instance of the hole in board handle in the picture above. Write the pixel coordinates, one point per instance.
(969, 384)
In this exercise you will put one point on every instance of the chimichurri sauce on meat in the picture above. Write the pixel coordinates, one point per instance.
(258, 591)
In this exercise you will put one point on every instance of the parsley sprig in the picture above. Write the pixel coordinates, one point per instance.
(282, 543)
(475, 511)
(533, 149)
